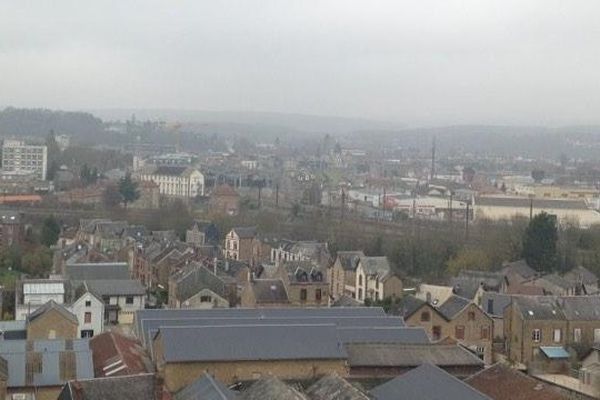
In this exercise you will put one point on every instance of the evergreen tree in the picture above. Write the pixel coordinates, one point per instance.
(540, 243)
(50, 231)
(128, 190)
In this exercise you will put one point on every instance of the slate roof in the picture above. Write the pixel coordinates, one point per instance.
(494, 303)
(376, 266)
(164, 316)
(245, 232)
(269, 291)
(539, 307)
(206, 388)
(499, 382)
(349, 259)
(409, 355)
(346, 301)
(250, 342)
(580, 308)
(52, 305)
(271, 389)
(519, 267)
(426, 382)
(333, 387)
(559, 281)
(120, 287)
(407, 335)
(15, 353)
(195, 277)
(93, 271)
(581, 275)
(408, 305)
(453, 306)
(169, 170)
(131, 387)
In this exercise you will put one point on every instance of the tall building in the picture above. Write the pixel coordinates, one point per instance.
(183, 182)
(20, 157)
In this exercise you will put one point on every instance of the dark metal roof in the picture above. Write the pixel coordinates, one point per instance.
(409, 355)
(91, 271)
(250, 342)
(426, 382)
(406, 335)
(205, 388)
(167, 315)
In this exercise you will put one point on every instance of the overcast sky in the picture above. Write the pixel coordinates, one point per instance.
(420, 62)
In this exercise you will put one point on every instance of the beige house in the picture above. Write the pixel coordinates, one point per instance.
(52, 321)
(305, 282)
(239, 243)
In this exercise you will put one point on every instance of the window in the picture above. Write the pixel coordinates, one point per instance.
(129, 300)
(536, 335)
(88, 303)
(376, 295)
(577, 335)
(360, 296)
(459, 332)
(485, 332)
(318, 294)
(360, 280)
(303, 295)
(557, 335)
(205, 299)
(437, 332)
(87, 318)
(376, 283)
(425, 316)
(471, 316)
(87, 333)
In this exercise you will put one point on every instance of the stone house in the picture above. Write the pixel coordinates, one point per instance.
(342, 274)
(375, 279)
(288, 250)
(195, 286)
(122, 298)
(306, 284)
(258, 293)
(457, 318)
(52, 321)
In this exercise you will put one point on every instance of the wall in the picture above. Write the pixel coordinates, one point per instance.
(96, 308)
(179, 375)
(51, 320)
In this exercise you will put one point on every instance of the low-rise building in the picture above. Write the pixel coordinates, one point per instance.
(52, 321)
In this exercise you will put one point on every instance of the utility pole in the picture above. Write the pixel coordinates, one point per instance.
(432, 160)
(467, 223)
(277, 195)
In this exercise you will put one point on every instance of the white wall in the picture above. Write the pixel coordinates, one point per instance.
(96, 307)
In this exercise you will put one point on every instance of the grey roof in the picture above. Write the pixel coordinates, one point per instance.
(426, 382)
(559, 281)
(408, 305)
(539, 307)
(409, 355)
(494, 303)
(90, 271)
(412, 335)
(118, 287)
(349, 259)
(346, 301)
(333, 387)
(143, 317)
(519, 267)
(15, 353)
(205, 388)
(130, 387)
(271, 389)
(195, 277)
(269, 291)
(245, 232)
(250, 342)
(376, 266)
(151, 326)
(581, 275)
(453, 306)
(13, 330)
(580, 308)
(525, 202)
(52, 305)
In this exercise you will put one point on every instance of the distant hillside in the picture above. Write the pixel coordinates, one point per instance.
(38, 122)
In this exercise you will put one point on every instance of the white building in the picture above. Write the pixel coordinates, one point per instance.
(18, 156)
(121, 297)
(184, 182)
(36, 294)
(89, 311)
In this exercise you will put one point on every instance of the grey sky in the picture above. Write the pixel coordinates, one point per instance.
(417, 62)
